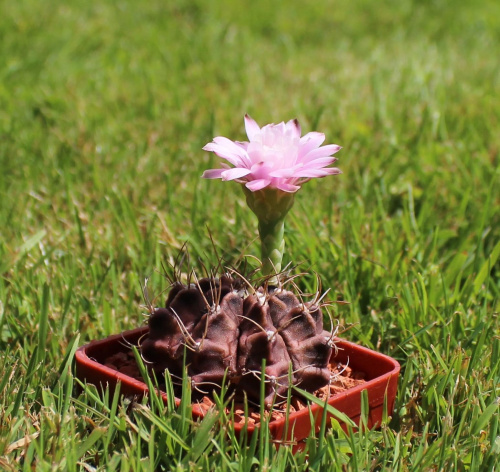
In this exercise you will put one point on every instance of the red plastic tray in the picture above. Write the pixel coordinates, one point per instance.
(381, 375)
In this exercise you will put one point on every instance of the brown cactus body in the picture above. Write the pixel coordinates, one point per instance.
(260, 340)
(227, 333)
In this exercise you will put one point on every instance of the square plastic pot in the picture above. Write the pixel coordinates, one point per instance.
(381, 375)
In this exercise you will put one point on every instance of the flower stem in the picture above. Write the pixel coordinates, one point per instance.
(272, 247)
(271, 206)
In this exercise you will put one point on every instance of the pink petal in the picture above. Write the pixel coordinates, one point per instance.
(321, 162)
(231, 146)
(251, 127)
(286, 187)
(312, 135)
(285, 173)
(261, 170)
(294, 127)
(235, 173)
(228, 150)
(223, 152)
(213, 173)
(312, 173)
(242, 144)
(311, 141)
(320, 152)
(258, 184)
(281, 127)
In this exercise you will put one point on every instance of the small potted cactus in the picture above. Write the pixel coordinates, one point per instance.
(257, 341)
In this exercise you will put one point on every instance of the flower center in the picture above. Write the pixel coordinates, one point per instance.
(274, 147)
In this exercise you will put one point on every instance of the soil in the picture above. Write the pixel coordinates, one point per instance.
(343, 377)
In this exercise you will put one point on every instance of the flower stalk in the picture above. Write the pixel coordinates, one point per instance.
(271, 206)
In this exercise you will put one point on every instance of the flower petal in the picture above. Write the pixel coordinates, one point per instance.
(235, 173)
(285, 173)
(311, 141)
(312, 136)
(251, 127)
(316, 173)
(228, 150)
(261, 170)
(280, 128)
(324, 151)
(287, 187)
(294, 127)
(230, 157)
(258, 184)
(320, 162)
(242, 144)
(213, 173)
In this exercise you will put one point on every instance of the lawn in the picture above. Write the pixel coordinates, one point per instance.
(104, 109)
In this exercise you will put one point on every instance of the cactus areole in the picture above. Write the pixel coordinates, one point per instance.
(219, 329)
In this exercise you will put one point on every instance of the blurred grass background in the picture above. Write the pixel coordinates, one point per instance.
(104, 109)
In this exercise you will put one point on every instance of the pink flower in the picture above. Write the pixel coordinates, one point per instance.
(275, 157)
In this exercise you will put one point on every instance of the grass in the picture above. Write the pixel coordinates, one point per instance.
(104, 108)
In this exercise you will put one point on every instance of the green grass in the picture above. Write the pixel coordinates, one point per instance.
(104, 108)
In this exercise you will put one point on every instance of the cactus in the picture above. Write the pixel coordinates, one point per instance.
(265, 336)
(225, 333)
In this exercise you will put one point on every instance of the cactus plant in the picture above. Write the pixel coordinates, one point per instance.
(219, 331)
(222, 329)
